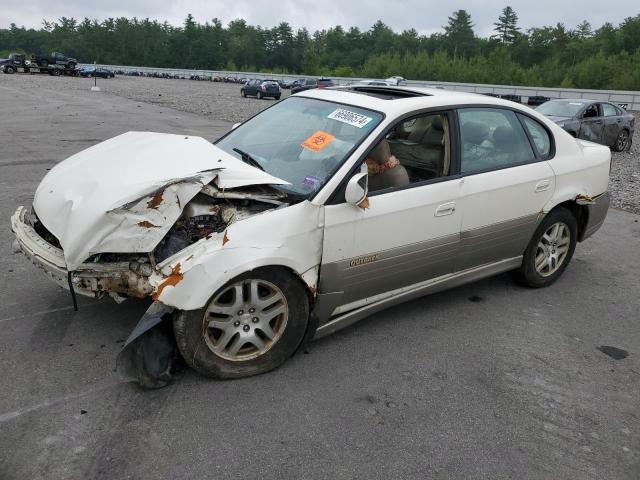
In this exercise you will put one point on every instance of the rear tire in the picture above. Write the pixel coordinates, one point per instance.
(621, 141)
(277, 97)
(550, 249)
(8, 69)
(243, 93)
(239, 333)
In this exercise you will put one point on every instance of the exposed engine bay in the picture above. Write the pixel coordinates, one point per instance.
(211, 211)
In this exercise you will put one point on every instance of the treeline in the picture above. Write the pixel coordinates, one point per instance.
(582, 57)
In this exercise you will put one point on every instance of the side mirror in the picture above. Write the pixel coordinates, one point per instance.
(358, 187)
(236, 125)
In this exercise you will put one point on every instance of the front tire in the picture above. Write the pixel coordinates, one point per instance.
(250, 326)
(550, 249)
(259, 95)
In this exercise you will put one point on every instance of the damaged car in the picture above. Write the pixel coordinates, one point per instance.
(319, 211)
(599, 122)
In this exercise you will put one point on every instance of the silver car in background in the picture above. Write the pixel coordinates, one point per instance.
(599, 122)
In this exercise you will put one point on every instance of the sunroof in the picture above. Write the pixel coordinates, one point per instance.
(385, 93)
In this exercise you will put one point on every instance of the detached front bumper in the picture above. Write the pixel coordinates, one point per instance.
(89, 279)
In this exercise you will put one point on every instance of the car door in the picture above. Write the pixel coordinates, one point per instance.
(592, 124)
(612, 123)
(506, 182)
(407, 234)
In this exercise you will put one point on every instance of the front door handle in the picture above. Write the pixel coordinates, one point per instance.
(543, 186)
(445, 209)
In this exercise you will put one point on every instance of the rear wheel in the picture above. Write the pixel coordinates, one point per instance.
(621, 141)
(277, 97)
(71, 66)
(250, 326)
(550, 249)
(243, 93)
(8, 69)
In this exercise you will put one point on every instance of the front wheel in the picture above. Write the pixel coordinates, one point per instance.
(277, 97)
(621, 141)
(259, 95)
(250, 326)
(243, 93)
(8, 69)
(550, 249)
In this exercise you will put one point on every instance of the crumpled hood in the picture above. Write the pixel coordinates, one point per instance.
(124, 194)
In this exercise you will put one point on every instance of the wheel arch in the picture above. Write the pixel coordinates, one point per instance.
(580, 212)
(195, 287)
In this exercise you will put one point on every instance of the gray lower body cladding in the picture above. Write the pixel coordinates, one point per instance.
(353, 279)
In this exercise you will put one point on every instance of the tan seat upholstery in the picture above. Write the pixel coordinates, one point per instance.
(393, 177)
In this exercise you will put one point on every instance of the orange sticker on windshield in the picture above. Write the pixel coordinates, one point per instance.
(318, 141)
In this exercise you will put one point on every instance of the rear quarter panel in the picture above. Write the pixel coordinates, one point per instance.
(581, 168)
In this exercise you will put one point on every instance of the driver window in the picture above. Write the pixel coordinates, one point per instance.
(414, 150)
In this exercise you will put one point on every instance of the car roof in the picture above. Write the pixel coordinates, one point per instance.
(395, 100)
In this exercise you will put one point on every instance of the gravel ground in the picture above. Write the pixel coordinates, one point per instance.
(222, 101)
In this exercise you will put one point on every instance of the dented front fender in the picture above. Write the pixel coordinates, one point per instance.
(290, 237)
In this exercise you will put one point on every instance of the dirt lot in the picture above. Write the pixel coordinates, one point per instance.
(488, 380)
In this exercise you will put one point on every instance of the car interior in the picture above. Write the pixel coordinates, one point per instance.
(420, 144)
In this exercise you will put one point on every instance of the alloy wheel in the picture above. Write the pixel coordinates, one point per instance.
(621, 143)
(552, 249)
(245, 320)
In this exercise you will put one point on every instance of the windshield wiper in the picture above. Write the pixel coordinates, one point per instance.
(247, 158)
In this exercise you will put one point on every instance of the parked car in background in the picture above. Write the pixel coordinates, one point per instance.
(396, 80)
(511, 97)
(313, 83)
(261, 89)
(599, 122)
(317, 212)
(536, 100)
(289, 84)
(91, 71)
(379, 83)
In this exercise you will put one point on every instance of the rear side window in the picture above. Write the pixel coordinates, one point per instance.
(490, 139)
(539, 135)
(609, 110)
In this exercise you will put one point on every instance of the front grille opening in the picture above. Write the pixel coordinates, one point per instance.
(43, 232)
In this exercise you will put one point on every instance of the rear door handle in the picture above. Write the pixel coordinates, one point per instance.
(445, 209)
(543, 185)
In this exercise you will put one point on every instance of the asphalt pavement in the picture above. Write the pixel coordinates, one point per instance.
(490, 380)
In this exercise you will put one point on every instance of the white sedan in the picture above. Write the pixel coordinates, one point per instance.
(321, 210)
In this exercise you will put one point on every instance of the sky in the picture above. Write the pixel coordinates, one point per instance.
(426, 16)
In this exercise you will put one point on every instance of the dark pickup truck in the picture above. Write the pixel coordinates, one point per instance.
(56, 58)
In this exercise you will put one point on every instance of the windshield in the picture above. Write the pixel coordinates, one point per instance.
(560, 108)
(301, 140)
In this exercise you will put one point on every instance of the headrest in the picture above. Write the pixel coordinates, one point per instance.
(381, 152)
(436, 123)
(504, 135)
(475, 132)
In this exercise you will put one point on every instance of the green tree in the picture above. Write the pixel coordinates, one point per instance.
(506, 27)
(459, 34)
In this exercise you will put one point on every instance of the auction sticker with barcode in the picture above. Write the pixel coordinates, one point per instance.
(350, 118)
